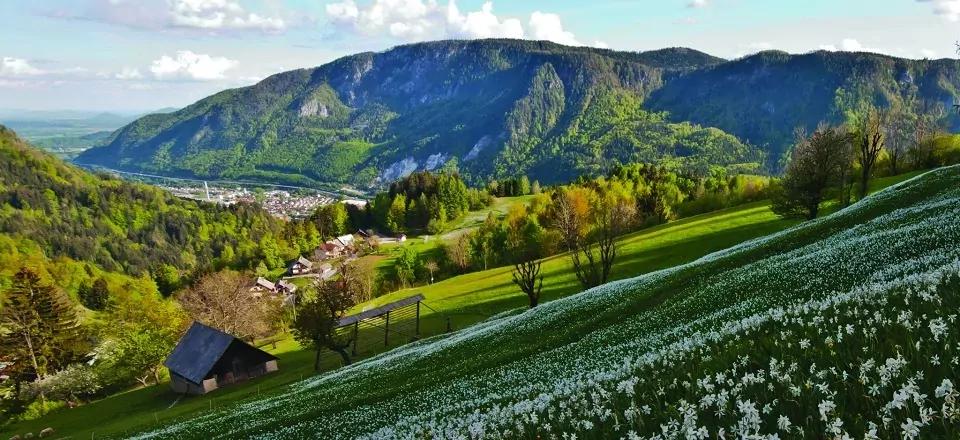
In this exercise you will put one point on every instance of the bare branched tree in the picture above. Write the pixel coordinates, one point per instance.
(897, 137)
(458, 252)
(364, 276)
(524, 248)
(222, 300)
(431, 267)
(590, 229)
(870, 141)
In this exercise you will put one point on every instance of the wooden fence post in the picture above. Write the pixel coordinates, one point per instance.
(386, 332)
(418, 320)
(356, 335)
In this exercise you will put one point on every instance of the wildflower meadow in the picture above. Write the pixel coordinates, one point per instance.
(843, 327)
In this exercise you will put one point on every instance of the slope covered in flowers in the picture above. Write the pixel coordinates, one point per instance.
(845, 326)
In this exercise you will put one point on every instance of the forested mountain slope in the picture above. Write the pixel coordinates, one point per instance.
(497, 107)
(50, 210)
(501, 108)
(761, 98)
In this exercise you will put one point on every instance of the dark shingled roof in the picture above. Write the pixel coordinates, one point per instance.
(348, 320)
(198, 351)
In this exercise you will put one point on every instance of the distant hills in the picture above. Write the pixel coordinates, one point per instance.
(68, 132)
(500, 108)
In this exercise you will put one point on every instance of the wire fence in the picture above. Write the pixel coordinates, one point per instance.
(376, 334)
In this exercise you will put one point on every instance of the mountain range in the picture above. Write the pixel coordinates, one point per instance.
(501, 108)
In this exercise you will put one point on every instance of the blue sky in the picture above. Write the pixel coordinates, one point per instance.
(149, 54)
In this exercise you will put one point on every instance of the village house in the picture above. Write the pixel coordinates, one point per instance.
(301, 266)
(285, 287)
(329, 250)
(261, 286)
(206, 359)
(346, 241)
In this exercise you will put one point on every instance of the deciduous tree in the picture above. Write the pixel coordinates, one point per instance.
(458, 252)
(318, 316)
(406, 266)
(525, 254)
(139, 330)
(814, 167)
(870, 142)
(222, 300)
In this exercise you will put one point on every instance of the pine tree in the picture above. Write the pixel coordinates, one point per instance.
(43, 330)
(95, 297)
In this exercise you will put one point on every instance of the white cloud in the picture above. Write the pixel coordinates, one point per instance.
(219, 15)
(850, 45)
(687, 20)
(950, 9)
(698, 4)
(202, 15)
(601, 45)
(927, 53)
(548, 27)
(18, 67)
(192, 66)
(415, 20)
(129, 73)
(481, 24)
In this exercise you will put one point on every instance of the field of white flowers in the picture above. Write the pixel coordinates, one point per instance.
(845, 327)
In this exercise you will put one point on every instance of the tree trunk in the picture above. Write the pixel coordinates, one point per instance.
(864, 181)
(316, 361)
(156, 375)
(534, 300)
(343, 354)
(813, 209)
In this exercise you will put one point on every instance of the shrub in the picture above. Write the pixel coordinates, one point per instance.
(75, 382)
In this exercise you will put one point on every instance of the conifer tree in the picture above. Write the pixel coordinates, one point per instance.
(42, 330)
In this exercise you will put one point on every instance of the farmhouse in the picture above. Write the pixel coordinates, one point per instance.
(329, 250)
(301, 266)
(346, 241)
(261, 286)
(206, 359)
(286, 287)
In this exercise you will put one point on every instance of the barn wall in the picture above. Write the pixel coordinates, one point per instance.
(181, 385)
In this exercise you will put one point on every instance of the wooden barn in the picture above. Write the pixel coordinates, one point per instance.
(206, 359)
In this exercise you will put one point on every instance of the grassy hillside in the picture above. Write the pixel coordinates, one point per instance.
(466, 299)
(787, 318)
